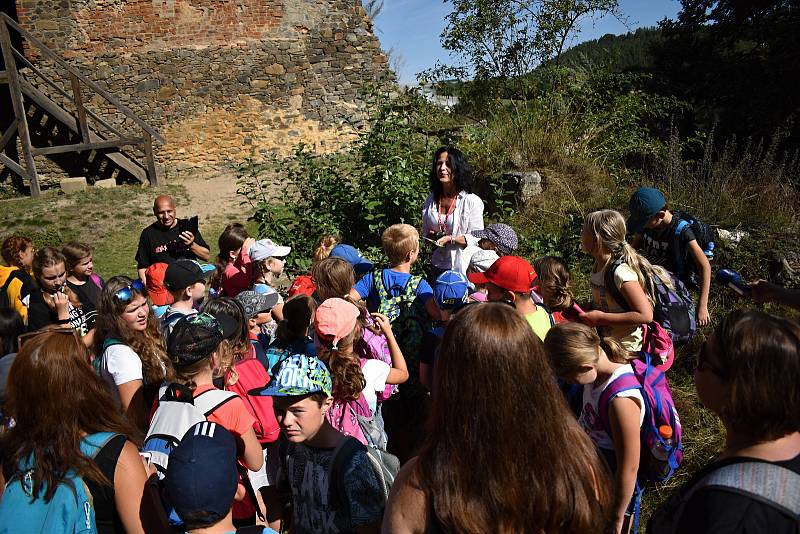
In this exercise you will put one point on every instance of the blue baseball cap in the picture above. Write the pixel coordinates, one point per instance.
(450, 290)
(644, 204)
(202, 476)
(299, 374)
(352, 256)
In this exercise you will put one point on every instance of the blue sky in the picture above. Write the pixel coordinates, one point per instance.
(411, 28)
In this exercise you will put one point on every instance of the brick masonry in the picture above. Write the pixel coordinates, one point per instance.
(219, 78)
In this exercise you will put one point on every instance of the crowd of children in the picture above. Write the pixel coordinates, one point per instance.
(497, 400)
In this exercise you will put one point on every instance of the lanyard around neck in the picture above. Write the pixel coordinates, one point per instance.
(450, 210)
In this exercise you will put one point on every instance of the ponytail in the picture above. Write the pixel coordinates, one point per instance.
(615, 351)
(344, 366)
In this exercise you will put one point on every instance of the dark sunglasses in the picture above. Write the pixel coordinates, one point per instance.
(125, 294)
(702, 362)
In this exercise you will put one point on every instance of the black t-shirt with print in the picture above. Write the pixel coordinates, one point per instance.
(164, 245)
(718, 511)
(41, 315)
(657, 244)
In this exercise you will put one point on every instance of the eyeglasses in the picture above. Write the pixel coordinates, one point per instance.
(702, 362)
(125, 295)
(23, 338)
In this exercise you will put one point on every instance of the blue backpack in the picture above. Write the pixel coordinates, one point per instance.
(71, 510)
(685, 268)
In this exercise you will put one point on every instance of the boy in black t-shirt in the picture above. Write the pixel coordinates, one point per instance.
(655, 229)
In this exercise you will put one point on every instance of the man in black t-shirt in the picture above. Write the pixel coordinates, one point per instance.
(169, 239)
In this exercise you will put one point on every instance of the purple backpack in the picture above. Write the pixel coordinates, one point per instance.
(659, 410)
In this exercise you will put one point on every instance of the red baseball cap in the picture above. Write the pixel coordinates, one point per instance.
(509, 272)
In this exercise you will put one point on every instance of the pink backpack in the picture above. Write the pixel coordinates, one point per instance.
(658, 342)
(343, 416)
(374, 346)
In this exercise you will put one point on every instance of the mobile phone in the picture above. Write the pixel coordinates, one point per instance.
(577, 308)
(146, 457)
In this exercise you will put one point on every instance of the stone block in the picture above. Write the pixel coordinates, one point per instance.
(106, 184)
(73, 185)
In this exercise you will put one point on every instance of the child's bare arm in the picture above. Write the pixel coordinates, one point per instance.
(704, 268)
(399, 372)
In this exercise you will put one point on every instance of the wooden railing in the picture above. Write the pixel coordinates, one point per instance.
(97, 135)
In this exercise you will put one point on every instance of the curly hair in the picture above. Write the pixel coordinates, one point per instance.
(344, 366)
(11, 249)
(148, 345)
(554, 283)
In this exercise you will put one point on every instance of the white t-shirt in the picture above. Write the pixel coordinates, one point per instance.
(629, 336)
(375, 374)
(120, 365)
(590, 418)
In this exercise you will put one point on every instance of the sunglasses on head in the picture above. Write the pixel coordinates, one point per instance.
(125, 294)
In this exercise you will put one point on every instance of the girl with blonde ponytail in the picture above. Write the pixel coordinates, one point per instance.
(603, 237)
(579, 356)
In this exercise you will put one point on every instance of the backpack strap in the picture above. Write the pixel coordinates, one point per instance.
(377, 282)
(678, 245)
(210, 400)
(767, 483)
(110, 342)
(622, 383)
(97, 280)
(412, 284)
(341, 455)
(92, 444)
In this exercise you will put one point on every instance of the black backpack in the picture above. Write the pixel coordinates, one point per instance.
(5, 302)
(685, 268)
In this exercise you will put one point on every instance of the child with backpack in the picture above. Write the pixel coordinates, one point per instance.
(193, 347)
(623, 290)
(203, 498)
(270, 260)
(356, 381)
(81, 278)
(186, 282)
(257, 309)
(130, 353)
(451, 292)
(71, 456)
(292, 335)
(509, 279)
(328, 477)
(579, 356)
(16, 282)
(677, 241)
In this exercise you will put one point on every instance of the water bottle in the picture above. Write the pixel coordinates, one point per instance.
(709, 251)
(733, 280)
(661, 449)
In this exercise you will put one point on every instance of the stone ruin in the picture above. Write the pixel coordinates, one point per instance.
(219, 79)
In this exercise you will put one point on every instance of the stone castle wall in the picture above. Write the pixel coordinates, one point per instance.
(219, 78)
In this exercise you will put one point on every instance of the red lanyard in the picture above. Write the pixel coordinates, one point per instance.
(443, 224)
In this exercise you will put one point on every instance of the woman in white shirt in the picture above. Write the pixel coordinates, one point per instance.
(130, 351)
(451, 211)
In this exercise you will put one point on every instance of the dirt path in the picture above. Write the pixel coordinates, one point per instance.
(211, 196)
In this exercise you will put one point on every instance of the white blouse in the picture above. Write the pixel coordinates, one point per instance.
(466, 217)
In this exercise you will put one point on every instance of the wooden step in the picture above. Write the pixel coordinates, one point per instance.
(63, 116)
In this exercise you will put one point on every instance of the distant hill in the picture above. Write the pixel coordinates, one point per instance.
(628, 52)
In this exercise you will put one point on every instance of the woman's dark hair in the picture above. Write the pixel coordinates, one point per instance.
(462, 174)
(759, 358)
(56, 398)
(503, 452)
(11, 326)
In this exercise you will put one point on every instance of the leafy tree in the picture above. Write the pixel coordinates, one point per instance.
(508, 38)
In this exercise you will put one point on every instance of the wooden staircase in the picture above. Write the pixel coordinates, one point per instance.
(86, 133)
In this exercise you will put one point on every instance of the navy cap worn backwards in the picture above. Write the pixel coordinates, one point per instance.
(201, 476)
(193, 338)
(644, 204)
